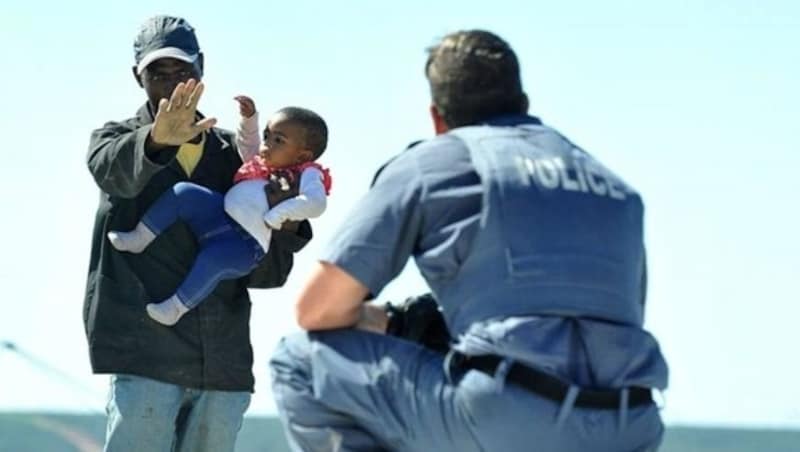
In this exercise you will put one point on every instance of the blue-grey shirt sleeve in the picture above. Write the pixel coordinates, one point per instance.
(424, 203)
(379, 235)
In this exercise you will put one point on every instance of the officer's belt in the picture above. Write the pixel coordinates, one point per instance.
(551, 387)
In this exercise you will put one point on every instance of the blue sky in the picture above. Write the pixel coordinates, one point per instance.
(694, 103)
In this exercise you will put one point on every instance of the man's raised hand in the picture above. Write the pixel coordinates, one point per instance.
(176, 120)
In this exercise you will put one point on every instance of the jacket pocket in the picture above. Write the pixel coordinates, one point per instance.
(115, 309)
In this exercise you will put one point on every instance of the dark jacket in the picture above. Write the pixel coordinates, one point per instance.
(210, 347)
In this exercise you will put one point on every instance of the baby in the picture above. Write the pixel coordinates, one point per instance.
(234, 230)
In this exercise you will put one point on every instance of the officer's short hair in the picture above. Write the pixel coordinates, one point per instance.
(473, 76)
(316, 131)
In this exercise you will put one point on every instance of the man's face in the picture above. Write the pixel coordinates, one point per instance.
(284, 143)
(161, 77)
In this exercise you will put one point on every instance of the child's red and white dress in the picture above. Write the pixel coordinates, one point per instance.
(246, 202)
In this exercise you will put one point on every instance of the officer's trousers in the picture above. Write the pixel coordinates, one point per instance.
(349, 390)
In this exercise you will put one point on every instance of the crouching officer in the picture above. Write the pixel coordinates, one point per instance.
(533, 251)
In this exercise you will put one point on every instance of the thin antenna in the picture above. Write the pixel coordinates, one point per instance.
(52, 372)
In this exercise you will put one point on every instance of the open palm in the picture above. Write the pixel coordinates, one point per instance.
(175, 122)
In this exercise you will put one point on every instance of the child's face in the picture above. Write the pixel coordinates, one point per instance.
(284, 143)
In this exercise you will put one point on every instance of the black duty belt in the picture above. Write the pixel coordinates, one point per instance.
(551, 387)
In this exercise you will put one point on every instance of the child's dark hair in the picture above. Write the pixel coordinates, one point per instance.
(316, 131)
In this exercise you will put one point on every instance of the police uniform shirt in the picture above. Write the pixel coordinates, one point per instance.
(426, 203)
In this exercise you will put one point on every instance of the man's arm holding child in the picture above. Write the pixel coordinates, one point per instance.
(274, 268)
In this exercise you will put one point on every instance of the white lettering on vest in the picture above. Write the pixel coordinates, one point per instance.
(566, 183)
(547, 173)
(552, 173)
(615, 189)
(525, 168)
(596, 183)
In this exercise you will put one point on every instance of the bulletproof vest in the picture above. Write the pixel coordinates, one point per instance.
(559, 234)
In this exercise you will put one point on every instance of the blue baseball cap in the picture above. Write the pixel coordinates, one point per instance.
(165, 37)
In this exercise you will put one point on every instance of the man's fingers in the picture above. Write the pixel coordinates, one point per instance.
(162, 106)
(190, 84)
(176, 100)
(194, 97)
(189, 93)
(183, 93)
(204, 124)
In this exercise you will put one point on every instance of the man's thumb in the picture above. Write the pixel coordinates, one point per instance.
(205, 124)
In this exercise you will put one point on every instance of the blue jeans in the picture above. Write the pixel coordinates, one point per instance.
(150, 416)
(226, 250)
(349, 390)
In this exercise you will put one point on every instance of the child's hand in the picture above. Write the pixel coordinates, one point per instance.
(247, 108)
(282, 185)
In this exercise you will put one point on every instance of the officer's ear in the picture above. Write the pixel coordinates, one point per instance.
(439, 126)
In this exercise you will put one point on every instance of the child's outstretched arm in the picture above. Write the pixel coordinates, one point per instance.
(248, 136)
(309, 203)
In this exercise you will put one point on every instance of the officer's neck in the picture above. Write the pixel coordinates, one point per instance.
(439, 126)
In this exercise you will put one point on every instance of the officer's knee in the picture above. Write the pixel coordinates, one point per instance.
(290, 368)
(290, 358)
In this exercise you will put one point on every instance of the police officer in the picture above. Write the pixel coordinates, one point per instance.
(534, 253)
